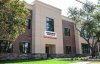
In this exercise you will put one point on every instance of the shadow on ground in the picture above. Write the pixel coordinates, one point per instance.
(20, 61)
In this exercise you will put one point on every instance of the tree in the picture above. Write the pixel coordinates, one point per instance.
(88, 17)
(12, 19)
(13, 15)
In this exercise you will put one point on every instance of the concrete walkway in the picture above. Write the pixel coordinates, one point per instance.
(81, 63)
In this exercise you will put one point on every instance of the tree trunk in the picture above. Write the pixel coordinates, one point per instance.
(93, 52)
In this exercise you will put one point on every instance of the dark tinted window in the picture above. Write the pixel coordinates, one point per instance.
(85, 48)
(66, 32)
(29, 23)
(25, 47)
(5, 46)
(49, 24)
(67, 49)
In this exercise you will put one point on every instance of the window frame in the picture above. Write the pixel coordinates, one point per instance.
(29, 23)
(53, 29)
(68, 31)
(85, 49)
(22, 44)
(7, 46)
(67, 51)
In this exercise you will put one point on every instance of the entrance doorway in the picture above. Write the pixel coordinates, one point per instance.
(49, 49)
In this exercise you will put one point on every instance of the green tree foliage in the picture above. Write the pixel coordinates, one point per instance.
(88, 17)
(13, 15)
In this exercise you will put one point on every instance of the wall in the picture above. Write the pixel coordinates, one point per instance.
(69, 40)
(41, 12)
(24, 37)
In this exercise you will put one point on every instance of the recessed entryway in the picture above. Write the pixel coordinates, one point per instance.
(49, 49)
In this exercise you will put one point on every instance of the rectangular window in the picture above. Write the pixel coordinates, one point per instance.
(85, 49)
(5, 46)
(84, 33)
(49, 24)
(66, 32)
(25, 47)
(67, 49)
(29, 23)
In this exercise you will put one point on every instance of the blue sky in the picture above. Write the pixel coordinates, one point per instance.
(63, 4)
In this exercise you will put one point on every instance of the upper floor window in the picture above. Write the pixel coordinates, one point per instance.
(66, 32)
(25, 47)
(29, 23)
(84, 33)
(49, 24)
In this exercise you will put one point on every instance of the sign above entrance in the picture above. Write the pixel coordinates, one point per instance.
(49, 34)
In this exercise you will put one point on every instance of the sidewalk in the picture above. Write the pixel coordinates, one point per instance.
(81, 63)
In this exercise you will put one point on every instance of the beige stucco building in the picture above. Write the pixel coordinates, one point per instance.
(39, 40)
(43, 41)
(48, 33)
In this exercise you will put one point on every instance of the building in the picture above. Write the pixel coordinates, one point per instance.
(69, 44)
(48, 33)
(45, 33)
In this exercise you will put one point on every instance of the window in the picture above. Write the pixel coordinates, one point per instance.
(49, 24)
(66, 32)
(67, 49)
(84, 33)
(5, 46)
(29, 23)
(25, 47)
(85, 49)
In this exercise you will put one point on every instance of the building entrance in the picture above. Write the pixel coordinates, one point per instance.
(50, 49)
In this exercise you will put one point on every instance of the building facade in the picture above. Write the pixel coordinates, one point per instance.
(68, 36)
(48, 33)
(45, 33)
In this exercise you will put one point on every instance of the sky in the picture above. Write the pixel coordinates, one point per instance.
(63, 4)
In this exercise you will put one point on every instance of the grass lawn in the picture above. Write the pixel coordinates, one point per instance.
(46, 61)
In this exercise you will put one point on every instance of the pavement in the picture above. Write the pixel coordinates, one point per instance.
(81, 63)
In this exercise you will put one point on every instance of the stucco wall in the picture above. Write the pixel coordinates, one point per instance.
(41, 12)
